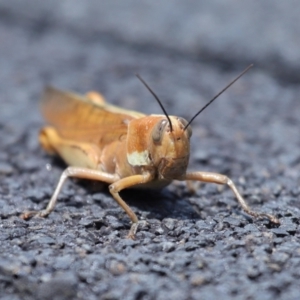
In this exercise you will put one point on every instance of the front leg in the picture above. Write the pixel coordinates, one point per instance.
(124, 183)
(223, 179)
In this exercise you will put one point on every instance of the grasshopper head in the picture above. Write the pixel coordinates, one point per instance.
(171, 149)
(153, 142)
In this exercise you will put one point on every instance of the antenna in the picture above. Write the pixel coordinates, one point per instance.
(157, 99)
(215, 97)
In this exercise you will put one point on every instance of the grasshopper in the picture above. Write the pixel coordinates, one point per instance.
(122, 148)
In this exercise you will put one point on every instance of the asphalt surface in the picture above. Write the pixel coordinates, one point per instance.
(193, 246)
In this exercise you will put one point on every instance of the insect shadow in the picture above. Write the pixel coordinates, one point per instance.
(160, 204)
(150, 203)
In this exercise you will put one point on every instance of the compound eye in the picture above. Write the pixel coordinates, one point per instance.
(189, 131)
(158, 131)
(184, 122)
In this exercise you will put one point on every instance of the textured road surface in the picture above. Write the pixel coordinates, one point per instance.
(198, 246)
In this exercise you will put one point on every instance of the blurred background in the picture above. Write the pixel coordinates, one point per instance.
(265, 33)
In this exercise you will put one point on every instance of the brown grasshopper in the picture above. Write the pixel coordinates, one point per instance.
(120, 147)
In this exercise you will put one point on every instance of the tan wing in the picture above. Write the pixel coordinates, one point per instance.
(78, 118)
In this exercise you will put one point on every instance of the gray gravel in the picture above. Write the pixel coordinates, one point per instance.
(198, 246)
